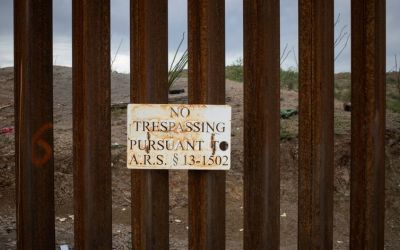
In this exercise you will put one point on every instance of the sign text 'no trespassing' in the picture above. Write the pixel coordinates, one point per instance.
(178, 136)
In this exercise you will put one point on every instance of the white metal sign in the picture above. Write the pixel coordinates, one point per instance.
(179, 136)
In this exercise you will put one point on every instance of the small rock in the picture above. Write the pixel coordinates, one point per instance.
(347, 106)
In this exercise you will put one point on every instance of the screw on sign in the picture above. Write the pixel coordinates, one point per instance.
(41, 150)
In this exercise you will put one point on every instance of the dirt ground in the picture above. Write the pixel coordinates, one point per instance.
(178, 179)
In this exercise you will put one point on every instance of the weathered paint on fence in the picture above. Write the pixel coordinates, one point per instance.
(206, 86)
(149, 77)
(368, 77)
(261, 126)
(92, 124)
(34, 124)
(315, 185)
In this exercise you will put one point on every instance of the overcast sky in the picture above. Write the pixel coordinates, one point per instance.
(178, 25)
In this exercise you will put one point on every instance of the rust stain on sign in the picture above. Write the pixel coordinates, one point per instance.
(179, 136)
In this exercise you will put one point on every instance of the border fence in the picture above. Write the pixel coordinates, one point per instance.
(149, 76)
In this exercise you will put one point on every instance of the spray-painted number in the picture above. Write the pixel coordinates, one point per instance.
(42, 156)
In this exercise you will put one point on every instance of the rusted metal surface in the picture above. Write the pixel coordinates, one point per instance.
(368, 66)
(206, 86)
(92, 124)
(316, 57)
(178, 136)
(149, 84)
(34, 124)
(261, 127)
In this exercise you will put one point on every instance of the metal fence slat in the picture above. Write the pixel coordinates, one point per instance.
(261, 126)
(368, 93)
(206, 20)
(33, 69)
(316, 78)
(149, 84)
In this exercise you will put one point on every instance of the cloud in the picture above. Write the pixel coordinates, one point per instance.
(342, 11)
(233, 30)
(6, 51)
(177, 21)
(62, 22)
(6, 21)
(6, 33)
(392, 32)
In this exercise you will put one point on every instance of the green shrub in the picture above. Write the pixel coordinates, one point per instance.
(234, 71)
(290, 79)
(393, 104)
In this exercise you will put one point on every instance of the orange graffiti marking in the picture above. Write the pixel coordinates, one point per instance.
(37, 140)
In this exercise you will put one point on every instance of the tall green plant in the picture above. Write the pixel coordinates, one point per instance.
(116, 54)
(176, 69)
